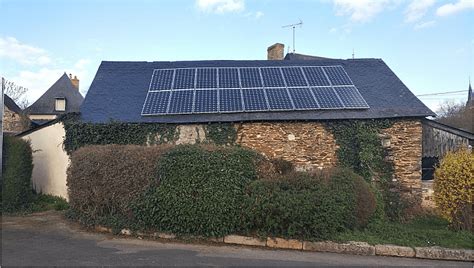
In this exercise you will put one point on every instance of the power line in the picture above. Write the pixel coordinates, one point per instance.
(442, 93)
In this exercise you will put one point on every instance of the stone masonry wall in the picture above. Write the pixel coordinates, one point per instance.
(13, 122)
(405, 150)
(308, 145)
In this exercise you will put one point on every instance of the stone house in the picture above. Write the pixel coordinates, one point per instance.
(278, 106)
(14, 121)
(61, 98)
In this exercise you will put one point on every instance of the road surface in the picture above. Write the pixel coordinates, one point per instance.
(48, 239)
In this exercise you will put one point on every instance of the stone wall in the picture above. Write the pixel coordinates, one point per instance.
(306, 144)
(427, 195)
(309, 146)
(404, 149)
(13, 122)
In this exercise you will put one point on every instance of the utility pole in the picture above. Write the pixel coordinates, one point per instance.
(294, 27)
(1, 135)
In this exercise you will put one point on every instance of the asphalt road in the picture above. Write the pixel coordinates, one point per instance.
(47, 239)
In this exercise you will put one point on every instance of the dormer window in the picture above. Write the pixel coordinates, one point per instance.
(60, 105)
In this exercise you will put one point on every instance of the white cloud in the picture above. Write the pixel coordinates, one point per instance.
(80, 64)
(11, 48)
(220, 6)
(417, 9)
(450, 9)
(254, 15)
(361, 10)
(423, 25)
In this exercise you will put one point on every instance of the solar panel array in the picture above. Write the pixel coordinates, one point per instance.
(250, 89)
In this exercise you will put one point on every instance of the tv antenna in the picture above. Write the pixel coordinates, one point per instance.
(294, 27)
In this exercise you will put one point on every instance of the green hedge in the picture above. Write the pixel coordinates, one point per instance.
(103, 180)
(212, 191)
(309, 206)
(17, 190)
(200, 191)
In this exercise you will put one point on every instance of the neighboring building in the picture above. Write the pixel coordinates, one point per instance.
(50, 161)
(438, 140)
(14, 121)
(62, 97)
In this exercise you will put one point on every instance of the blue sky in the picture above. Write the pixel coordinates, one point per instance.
(427, 43)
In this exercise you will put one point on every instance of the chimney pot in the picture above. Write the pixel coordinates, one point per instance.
(275, 51)
(74, 81)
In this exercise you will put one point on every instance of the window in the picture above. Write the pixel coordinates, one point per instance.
(60, 105)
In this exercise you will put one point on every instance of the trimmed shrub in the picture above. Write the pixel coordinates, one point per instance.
(104, 180)
(454, 188)
(309, 206)
(201, 191)
(17, 190)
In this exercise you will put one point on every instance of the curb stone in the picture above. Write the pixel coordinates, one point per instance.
(355, 248)
(439, 253)
(394, 251)
(277, 242)
(244, 240)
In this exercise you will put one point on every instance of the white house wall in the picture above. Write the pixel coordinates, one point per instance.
(49, 159)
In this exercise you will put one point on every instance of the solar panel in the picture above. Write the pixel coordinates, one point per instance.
(205, 101)
(162, 80)
(351, 97)
(303, 99)
(156, 102)
(181, 102)
(250, 89)
(254, 99)
(184, 79)
(272, 77)
(250, 77)
(327, 98)
(230, 100)
(294, 77)
(337, 75)
(278, 99)
(315, 76)
(206, 78)
(229, 78)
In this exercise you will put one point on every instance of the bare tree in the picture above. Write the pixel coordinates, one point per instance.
(17, 93)
(456, 115)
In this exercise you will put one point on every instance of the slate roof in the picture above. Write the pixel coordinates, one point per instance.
(11, 105)
(63, 88)
(297, 56)
(119, 90)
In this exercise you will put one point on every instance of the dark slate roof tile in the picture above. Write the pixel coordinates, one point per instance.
(63, 88)
(119, 90)
(11, 105)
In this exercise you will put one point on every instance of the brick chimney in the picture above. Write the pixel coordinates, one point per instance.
(275, 51)
(74, 81)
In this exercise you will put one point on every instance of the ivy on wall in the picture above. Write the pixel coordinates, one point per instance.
(221, 133)
(79, 134)
(360, 148)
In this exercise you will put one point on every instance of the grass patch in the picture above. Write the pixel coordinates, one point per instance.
(424, 231)
(42, 202)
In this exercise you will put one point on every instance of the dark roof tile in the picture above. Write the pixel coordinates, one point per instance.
(63, 88)
(119, 90)
(11, 105)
